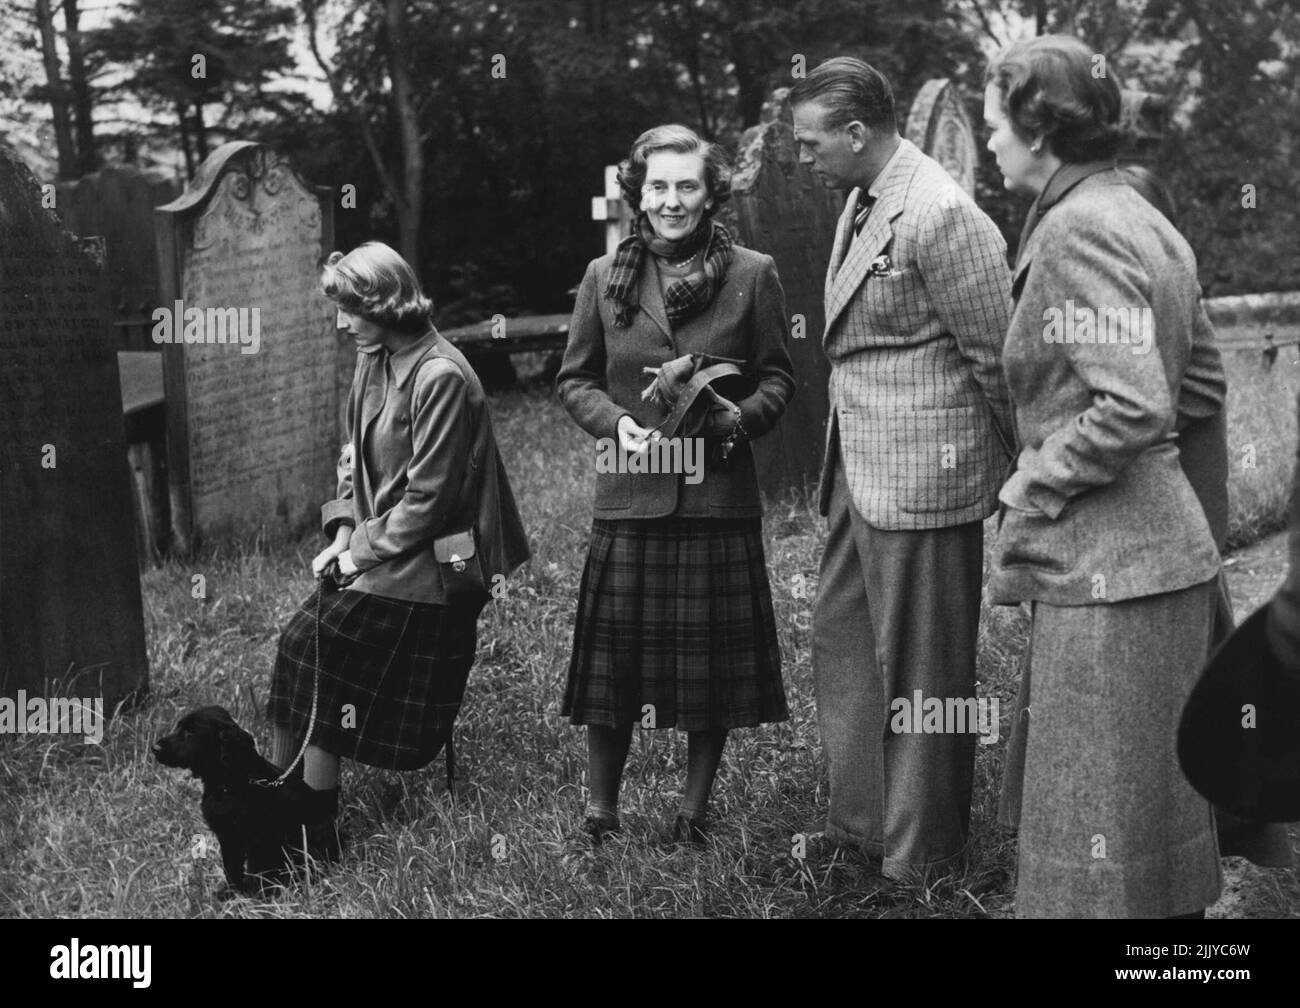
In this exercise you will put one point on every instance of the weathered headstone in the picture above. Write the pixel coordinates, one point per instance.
(779, 207)
(117, 204)
(71, 621)
(254, 364)
(937, 123)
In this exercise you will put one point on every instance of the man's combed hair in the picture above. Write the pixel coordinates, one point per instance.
(373, 281)
(677, 139)
(848, 89)
(1050, 88)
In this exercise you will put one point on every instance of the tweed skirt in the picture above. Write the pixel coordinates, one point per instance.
(675, 613)
(392, 676)
(1108, 825)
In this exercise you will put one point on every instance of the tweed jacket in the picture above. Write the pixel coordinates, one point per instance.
(919, 409)
(422, 463)
(1109, 355)
(600, 380)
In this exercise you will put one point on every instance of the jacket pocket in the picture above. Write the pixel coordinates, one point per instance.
(1032, 539)
(613, 491)
(930, 460)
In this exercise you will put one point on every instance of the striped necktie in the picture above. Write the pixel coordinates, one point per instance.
(865, 203)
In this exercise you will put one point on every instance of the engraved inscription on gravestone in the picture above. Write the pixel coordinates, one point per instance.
(71, 620)
(251, 348)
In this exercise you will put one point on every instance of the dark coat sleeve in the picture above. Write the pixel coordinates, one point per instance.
(760, 411)
(581, 381)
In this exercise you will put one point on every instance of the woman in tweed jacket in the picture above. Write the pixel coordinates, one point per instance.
(396, 646)
(1100, 531)
(675, 625)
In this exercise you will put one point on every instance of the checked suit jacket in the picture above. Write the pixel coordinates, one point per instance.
(919, 408)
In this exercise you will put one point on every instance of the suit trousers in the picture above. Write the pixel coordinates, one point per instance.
(896, 612)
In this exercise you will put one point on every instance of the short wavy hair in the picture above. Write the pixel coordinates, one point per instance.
(1049, 89)
(848, 88)
(679, 140)
(373, 281)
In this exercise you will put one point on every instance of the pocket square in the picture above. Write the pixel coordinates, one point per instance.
(882, 266)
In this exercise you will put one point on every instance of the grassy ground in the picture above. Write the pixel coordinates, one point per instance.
(1261, 434)
(105, 831)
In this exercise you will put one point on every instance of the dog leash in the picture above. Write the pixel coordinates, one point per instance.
(315, 688)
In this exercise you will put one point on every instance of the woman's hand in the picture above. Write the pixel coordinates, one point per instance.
(346, 567)
(341, 539)
(633, 437)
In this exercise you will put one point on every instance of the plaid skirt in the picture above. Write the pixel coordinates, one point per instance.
(675, 613)
(392, 675)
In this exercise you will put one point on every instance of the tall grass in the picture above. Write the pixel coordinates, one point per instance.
(106, 831)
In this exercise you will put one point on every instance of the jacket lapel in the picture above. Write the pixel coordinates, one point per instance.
(876, 233)
(843, 232)
(652, 299)
(374, 392)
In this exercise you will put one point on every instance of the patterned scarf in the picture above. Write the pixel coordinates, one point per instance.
(685, 297)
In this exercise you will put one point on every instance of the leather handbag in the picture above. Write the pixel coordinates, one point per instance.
(716, 385)
(461, 564)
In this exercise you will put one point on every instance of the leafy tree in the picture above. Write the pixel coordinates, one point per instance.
(186, 58)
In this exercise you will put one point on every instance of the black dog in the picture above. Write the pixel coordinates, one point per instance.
(259, 827)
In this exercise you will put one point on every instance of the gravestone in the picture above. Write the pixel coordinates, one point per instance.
(117, 204)
(937, 123)
(254, 366)
(779, 207)
(71, 620)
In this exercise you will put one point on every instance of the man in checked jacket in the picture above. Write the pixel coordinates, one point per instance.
(919, 441)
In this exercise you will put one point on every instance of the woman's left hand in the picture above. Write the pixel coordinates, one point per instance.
(346, 567)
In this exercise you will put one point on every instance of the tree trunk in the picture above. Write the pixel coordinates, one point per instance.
(58, 93)
(200, 132)
(399, 72)
(82, 110)
(183, 120)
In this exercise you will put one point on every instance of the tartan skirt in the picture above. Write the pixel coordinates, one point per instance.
(675, 613)
(392, 675)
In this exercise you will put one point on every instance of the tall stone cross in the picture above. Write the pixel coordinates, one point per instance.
(612, 209)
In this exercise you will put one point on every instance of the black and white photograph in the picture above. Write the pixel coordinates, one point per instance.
(681, 459)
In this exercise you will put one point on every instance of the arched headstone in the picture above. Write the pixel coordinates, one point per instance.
(253, 414)
(939, 125)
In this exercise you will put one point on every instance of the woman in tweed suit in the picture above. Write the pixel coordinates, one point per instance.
(675, 624)
(1108, 353)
